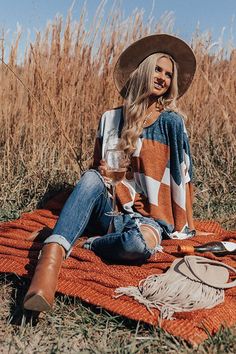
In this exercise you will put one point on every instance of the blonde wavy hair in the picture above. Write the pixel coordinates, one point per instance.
(139, 89)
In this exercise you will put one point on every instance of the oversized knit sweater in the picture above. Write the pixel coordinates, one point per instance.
(161, 166)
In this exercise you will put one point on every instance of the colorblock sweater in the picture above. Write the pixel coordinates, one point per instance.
(161, 166)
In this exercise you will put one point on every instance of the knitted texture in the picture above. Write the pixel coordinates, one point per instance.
(86, 276)
(159, 168)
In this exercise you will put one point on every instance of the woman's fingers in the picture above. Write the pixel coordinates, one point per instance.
(107, 179)
(103, 167)
(102, 170)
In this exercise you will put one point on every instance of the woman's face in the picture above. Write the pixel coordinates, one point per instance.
(162, 76)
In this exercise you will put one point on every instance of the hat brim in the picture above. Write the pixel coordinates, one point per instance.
(132, 56)
(204, 270)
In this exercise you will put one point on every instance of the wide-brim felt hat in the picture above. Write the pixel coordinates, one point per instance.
(132, 56)
(204, 270)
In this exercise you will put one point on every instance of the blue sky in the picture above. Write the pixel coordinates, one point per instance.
(33, 15)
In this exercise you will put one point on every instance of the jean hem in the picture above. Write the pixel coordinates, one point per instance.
(61, 240)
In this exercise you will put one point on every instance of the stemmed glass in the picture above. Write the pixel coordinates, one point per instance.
(116, 168)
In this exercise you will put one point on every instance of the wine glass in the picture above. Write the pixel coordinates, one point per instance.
(116, 168)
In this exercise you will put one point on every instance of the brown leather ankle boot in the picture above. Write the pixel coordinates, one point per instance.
(40, 295)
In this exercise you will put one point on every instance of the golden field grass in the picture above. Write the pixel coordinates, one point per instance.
(47, 129)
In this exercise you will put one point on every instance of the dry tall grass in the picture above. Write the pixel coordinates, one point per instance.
(47, 134)
(46, 139)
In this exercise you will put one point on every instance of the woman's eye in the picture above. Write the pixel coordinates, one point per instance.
(157, 69)
(169, 75)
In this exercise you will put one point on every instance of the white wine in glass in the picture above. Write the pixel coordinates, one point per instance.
(116, 169)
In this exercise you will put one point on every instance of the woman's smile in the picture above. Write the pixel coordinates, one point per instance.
(159, 85)
(162, 76)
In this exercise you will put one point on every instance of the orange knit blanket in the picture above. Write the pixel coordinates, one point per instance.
(85, 275)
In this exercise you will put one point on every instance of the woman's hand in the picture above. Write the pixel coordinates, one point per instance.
(102, 168)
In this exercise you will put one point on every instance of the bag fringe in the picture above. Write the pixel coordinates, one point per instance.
(173, 292)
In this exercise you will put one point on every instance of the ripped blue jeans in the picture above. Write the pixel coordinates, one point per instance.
(84, 213)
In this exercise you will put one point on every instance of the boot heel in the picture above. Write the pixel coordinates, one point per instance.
(37, 303)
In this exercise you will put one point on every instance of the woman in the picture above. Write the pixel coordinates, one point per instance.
(156, 194)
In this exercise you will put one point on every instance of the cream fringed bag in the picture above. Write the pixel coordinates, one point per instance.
(191, 283)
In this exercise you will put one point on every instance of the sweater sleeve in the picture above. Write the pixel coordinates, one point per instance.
(180, 171)
(187, 158)
(180, 155)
